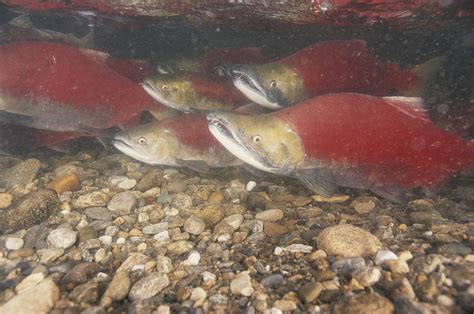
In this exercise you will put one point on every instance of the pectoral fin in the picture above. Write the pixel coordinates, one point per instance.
(16, 118)
(318, 180)
(196, 165)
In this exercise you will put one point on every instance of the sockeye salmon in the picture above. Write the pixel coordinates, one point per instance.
(387, 145)
(182, 141)
(326, 67)
(59, 88)
(194, 92)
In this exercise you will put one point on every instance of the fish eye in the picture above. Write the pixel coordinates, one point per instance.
(164, 87)
(273, 84)
(141, 140)
(257, 139)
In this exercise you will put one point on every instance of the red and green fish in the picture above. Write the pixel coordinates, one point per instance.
(387, 145)
(326, 67)
(55, 87)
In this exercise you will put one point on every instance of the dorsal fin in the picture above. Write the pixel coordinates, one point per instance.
(412, 106)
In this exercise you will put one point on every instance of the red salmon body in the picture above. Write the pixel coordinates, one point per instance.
(193, 132)
(248, 55)
(347, 66)
(57, 87)
(378, 143)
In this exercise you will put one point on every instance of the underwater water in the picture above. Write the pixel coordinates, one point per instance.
(323, 197)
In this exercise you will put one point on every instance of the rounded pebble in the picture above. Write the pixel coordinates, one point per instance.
(62, 238)
(14, 243)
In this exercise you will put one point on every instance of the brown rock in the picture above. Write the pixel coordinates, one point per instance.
(67, 183)
(363, 303)
(274, 230)
(31, 209)
(212, 214)
(348, 240)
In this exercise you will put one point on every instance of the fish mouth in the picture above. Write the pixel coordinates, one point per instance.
(246, 80)
(159, 97)
(222, 130)
(122, 145)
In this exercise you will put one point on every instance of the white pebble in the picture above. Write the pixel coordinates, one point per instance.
(138, 267)
(384, 255)
(105, 239)
(428, 233)
(14, 243)
(208, 276)
(127, 184)
(278, 251)
(251, 185)
(162, 236)
(120, 241)
(224, 237)
(299, 248)
(62, 237)
(193, 259)
(115, 180)
(276, 311)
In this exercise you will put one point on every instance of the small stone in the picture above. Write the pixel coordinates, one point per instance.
(250, 186)
(156, 228)
(38, 299)
(50, 255)
(66, 183)
(285, 305)
(363, 303)
(346, 266)
(367, 276)
(274, 230)
(310, 291)
(5, 200)
(397, 266)
(194, 225)
(94, 199)
(80, 274)
(242, 284)
(198, 296)
(384, 255)
(20, 174)
(270, 215)
(151, 179)
(348, 240)
(164, 264)
(309, 212)
(62, 238)
(162, 236)
(31, 209)
(233, 220)
(215, 197)
(181, 201)
(332, 199)
(193, 259)
(122, 203)
(299, 248)
(148, 287)
(127, 184)
(30, 281)
(278, 251)
(143, 217)
(133, 260)
(180, 247)
(105, 239)
(178, 186)
(405, 255)
(117, 289)
(211, 214)
(21, 253)
(163, 309)
(87, 233)
(207, 276)
(98, 213)
(273, 281)
(87, 292)
(14, 243)
(364, 205)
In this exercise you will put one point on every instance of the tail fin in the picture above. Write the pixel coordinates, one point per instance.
(425, 74)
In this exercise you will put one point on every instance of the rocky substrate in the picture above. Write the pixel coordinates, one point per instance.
(105, 234)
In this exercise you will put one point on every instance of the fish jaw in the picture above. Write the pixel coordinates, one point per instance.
(278, 149)
(219, 128)
(246, 80)
(158, 96)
